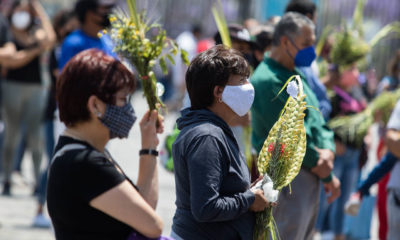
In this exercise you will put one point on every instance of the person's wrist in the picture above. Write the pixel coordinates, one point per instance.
(149, 146)
(148, 152)
(327, 179)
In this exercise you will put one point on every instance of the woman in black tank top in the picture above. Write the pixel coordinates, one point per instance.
(23, 94)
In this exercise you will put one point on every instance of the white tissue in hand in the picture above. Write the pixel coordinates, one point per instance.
(270, 194)
(258, 185)
(268, 187)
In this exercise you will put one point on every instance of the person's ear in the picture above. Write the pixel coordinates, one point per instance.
(284, 41)
(218, 90)
(96, 107)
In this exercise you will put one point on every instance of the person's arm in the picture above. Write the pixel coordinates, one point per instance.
(7, 51)
(125, 204)
(205, 165)
(393, 142)
(21, 58)
(379, 171)
(148, 177)
(46, 34)
(7, 48)
(320, 151)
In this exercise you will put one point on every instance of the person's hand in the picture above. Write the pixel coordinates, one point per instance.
(260, 178)
(325, 163)
(325, 154)
(160, 124)
(37, 8)
(260, 202)
(340, 148)
(149, 131)
(332, 189)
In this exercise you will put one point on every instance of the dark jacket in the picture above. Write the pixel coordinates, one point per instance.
(212, 180)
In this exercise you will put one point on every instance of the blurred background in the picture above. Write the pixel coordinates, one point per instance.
(178, 16)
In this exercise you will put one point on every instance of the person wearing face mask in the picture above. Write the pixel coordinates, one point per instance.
(292, 45)
(311, 73)
(7, 49)
(213, 195)
(241, 42)
(23, 93)
(93, 17)
(89, 195)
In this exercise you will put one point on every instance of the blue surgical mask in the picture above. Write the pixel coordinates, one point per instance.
(119, 120)
(304, 57)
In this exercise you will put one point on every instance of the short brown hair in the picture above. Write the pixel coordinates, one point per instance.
(213, 68)
(88, 73)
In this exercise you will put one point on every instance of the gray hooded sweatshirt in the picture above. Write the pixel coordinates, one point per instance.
(212, 180)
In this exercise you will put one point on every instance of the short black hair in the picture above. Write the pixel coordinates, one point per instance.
(83, 6)
(212, 68)
(304, 7)
(196, 28)
(264, 37)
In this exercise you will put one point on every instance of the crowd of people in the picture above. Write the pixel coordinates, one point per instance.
(223, 92)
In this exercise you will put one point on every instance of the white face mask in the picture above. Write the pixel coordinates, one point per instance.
(239, 98)
(21, 20)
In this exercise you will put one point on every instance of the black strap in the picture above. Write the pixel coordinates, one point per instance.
(148, 152)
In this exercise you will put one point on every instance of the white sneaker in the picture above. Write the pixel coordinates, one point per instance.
(41, 221)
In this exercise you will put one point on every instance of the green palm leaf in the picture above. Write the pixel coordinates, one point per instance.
(220, 20)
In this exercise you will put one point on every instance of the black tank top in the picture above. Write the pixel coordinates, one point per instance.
(30, 73)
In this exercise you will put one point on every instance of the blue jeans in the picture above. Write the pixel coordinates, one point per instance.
(49, 135)
(346, 169)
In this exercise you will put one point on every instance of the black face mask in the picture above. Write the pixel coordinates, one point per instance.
(105, 22)
(251, 59)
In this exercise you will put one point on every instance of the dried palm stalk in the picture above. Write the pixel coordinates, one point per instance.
(283, 152)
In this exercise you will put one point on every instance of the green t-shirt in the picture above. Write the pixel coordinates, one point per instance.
(268, 79)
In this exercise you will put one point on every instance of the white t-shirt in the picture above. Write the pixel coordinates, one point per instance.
(394, 123)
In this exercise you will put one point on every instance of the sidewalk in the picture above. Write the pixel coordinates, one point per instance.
(17, 212)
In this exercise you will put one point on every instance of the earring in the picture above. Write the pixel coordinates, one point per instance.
(98, 114)
(220, 100)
